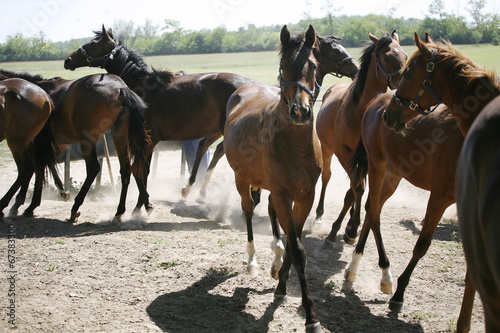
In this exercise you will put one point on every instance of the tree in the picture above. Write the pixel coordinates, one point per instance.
(475, 7)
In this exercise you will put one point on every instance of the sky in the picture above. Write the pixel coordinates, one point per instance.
(62, 20)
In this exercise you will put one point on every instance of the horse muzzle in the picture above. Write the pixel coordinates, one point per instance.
(300, 114)
(68, 65)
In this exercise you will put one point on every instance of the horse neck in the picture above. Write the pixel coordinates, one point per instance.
(122, 63)
(374, 84)
(466, 107)
(300, 136)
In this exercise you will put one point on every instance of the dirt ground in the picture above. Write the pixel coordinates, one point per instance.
(181, 269)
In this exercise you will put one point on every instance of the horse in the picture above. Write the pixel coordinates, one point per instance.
(180, 107)
(270, 143)
(84, 109)
(24, 111)
(339, 121)
(426, 156)
(427, 76)
(478, 208)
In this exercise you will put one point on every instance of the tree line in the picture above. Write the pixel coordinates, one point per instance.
(171, 38)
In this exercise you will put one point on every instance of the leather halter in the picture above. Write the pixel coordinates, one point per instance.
(426, 85)
(302, 86)
(338, 65)
(388, 76)
(104, 58)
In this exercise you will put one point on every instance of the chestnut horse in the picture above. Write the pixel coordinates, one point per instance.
(332, 59)
(84, 110)
(180, 107)
(426, 156)
(339, 120)
(270, 143)
(24, 111)
(426, 81)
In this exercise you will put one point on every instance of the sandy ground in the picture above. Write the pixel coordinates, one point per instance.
(181, 269)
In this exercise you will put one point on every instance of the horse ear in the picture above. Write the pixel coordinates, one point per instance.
(285, 35)
(310, 37)
(395, 36)
(373, 37)
(419, 43)
(428, 38)
(105, 34)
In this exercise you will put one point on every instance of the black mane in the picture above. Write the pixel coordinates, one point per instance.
(294, 51)
(23, 75)
(366, 57)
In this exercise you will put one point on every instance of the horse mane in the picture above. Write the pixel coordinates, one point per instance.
(460, 69)
(133, 62)
(33, 78)
(355, 90)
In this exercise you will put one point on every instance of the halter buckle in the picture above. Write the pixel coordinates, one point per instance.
(430, 66)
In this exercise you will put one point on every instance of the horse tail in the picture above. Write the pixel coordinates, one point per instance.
(45, 149)
(139, 140)
(358, 164)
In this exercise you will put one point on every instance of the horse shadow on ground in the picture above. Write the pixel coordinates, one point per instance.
(196, 309)
(448, 231)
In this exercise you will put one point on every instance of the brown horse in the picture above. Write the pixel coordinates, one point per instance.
(24, 111)
(180, 107)
(426, 81)
(332, 59)
(84, 110)
(270, 143)
(477, 185)
(426, 156)
(339, 120)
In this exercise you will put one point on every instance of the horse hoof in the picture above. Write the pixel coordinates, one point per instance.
(328, 245)
(65, 195)
(280, 299)
(350, 276)
(117, 219)
(74, 217)
(253, 270)
(28, 214)
(318, 220)
(313, 328)
(395, 306)
(185, 191)
(348, 240)
(386, 288)
(150, 209)
(13, 212)
(275, 273)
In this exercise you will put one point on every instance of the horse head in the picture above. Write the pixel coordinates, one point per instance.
(95, 53)
(415, 93)
(298, 74)
(333, 58)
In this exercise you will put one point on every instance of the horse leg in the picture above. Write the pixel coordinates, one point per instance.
(37, 193)
(243, 188)
(463, 323)
(93, 167)
(292, 222)
(143, 185)
(276, 244)
(121, 147)
(202, 148)
(219, 152)
(20, 181)
(348, 202)
(58, 182)
(437, 204)
(351, 230)
(325, 178)
(25, 172)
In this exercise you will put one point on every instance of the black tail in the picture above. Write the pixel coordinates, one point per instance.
(138, 136)
(358, 164)
(45, 149)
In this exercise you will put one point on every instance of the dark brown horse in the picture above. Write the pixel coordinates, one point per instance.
(339, 120)
(478, 205)
(84, 110)
(24, 111)
(426, 156)
(180, 107)
(270, 143)
(439, 72)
